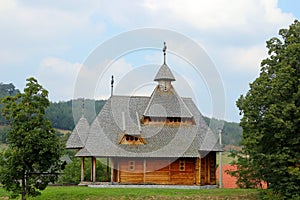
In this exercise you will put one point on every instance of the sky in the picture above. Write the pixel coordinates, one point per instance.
(214, 48)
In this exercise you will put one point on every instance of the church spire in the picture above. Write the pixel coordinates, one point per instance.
(164, 73)
(164, 50)
(112, 85)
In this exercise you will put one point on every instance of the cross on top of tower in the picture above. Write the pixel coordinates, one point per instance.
(164, 50)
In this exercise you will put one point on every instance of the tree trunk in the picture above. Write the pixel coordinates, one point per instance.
(23, 186)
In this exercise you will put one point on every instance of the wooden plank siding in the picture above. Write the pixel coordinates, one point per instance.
(194, 171)
(186, 176)
(208, 169)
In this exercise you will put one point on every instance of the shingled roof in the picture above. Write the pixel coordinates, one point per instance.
(164, 73)
(79, 135)
(122, 115)
(161, 140)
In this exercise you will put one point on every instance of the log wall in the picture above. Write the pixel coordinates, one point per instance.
(194, 171)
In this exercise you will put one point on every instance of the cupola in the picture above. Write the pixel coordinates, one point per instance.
(164, 76)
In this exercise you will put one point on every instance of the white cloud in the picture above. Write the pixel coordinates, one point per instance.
(30, 30)
(200, 14)
(95, 81)
(233, 30)
(119, 69)
(59, 35)
(235, 15)
(244, 59)
(58, 77)
(66, 80)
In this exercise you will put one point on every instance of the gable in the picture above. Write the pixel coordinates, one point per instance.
(166, 104)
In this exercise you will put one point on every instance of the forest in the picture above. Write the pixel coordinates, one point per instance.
(65, 114)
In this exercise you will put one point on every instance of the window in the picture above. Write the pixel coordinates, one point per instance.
(181, 165)
(132, 139)
(131, 165)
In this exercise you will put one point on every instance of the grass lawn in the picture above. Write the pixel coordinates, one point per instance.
(86, 193)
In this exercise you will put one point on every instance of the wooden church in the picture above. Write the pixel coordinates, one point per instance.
(161, 139)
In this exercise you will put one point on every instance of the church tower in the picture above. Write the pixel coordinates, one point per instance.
(165, 105)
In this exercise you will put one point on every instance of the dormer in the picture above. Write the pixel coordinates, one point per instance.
(134, 139)
(132, 135)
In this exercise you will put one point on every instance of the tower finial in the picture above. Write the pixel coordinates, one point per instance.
(82, 109)
(164, 50)
(112, 85)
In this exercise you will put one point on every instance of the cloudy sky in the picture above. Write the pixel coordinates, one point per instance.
(56, 43)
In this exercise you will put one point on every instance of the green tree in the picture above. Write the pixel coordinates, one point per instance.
(65, 114)
(72, 172)
(271, 117)
(31, 160)
(6, 90)
(3, 131)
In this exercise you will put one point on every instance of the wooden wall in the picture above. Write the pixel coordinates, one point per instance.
(166, 171)
(207, 166)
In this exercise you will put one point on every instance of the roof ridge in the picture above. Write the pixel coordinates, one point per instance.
(151, 98)
(139, 96)
(172, 88)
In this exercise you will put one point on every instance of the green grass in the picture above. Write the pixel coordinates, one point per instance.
(86, 193)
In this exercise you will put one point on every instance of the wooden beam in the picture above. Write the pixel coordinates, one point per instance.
(195, 171)
(208, 168)
(107, 168)
(118, 172)
(199, 163)
(82, 169)
(145, 171)
(112, 167)
(91, 178)
(93, 169)
(170, 162)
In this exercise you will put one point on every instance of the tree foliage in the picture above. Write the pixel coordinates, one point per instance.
(231, 131)
(72, 173)
(6, 90)
(65, 114)
(271, 117)
(31, 160)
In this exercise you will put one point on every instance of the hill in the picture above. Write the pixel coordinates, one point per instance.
(65, 114)
(231, 131)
